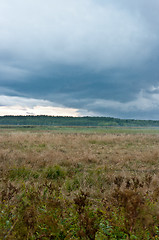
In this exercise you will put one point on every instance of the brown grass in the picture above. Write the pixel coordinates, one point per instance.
(112, 168)
(128, 155)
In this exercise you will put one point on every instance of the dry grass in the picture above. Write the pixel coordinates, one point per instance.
(112, 168)
(117, 152)
(108, 155)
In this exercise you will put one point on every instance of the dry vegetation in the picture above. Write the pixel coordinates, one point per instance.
(79, 186)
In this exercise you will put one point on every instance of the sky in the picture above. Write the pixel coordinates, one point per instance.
(80, 58)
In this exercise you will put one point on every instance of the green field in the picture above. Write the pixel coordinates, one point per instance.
(82, 129)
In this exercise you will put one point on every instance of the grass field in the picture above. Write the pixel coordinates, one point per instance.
(82, 129)
(79, 183)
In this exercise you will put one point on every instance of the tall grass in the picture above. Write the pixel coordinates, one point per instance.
(79, 186)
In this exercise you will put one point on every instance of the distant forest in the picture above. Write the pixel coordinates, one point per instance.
(74, 121)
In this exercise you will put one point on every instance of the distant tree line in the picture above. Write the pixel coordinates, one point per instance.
(43, 120)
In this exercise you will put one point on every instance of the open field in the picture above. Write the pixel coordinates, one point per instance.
(79, 183)
(81, 129)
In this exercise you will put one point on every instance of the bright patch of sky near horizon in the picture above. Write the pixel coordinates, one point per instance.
(80, 58)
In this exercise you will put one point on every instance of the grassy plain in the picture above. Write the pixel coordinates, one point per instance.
(79, 183)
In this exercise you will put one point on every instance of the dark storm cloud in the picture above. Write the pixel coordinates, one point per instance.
(97, 56)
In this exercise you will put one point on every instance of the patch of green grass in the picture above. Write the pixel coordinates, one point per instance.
(72, 184)
(55, 172)
(42, 145)
(18, 173)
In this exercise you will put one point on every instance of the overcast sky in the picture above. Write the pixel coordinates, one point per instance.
(80, 57)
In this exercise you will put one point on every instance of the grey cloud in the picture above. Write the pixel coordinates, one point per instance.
(25, 102)
(93, 55)
(82, 32)
(145, 103)
(11, 73)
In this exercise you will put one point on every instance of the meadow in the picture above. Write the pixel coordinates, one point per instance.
(79, 183)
